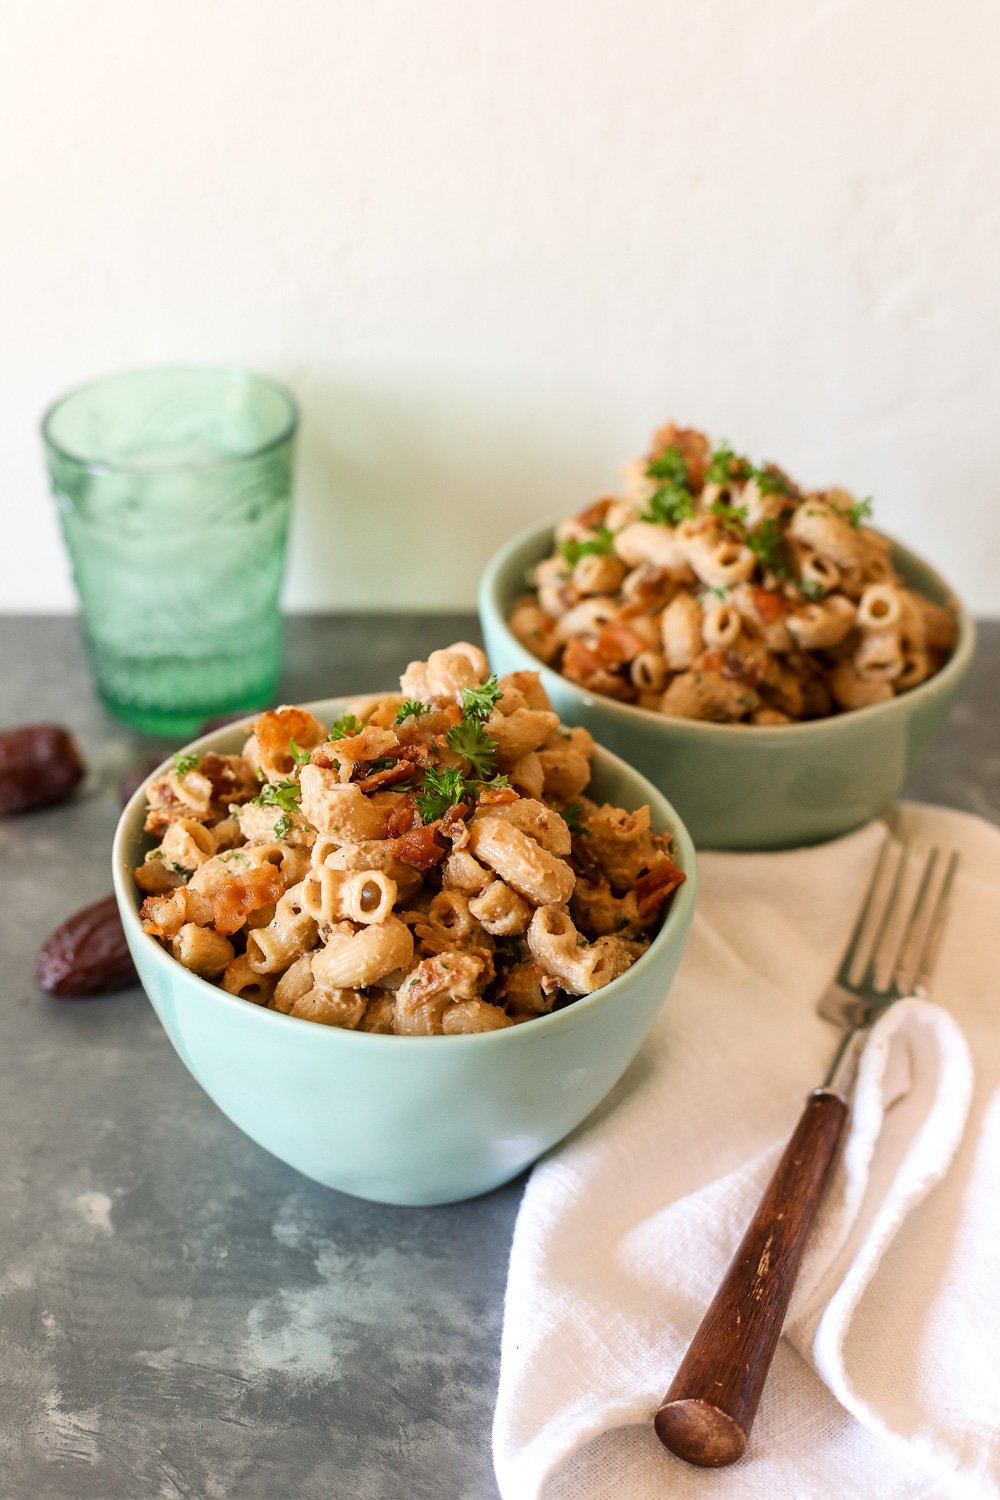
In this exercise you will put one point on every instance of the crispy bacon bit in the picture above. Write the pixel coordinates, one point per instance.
(693, 446)
(594, 514)
(583, 665)
(419, 847)
(618, 644)
(653, 888)
(769, 604)
(402, 819)
(399, 772)
(155, 914)
(495, 796)
(234, 899)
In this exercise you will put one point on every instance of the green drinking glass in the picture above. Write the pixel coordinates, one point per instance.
(174, 492)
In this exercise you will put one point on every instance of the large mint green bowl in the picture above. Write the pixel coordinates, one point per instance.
(411, 1120)
(738, 787)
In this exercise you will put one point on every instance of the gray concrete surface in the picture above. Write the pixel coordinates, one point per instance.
(180, 1314)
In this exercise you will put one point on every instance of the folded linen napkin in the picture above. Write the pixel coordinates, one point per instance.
(886, 1382)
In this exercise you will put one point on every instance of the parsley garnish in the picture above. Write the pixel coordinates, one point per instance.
(470, 739)
(767, 543)
(479, 702)
(283, 794)
(599, 545)
(813, 589)
(856, 513)
(300, 757)
(571, 815)
(441, 789)
(346, 725)
(153, 854)
(772, 482)
(411, 708)
(179, 869)
(670, 465)
(727, 467)
(185, 763)
(673, 501)
(732, 518)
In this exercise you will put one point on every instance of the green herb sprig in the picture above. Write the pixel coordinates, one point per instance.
(411, 708)
(599, 545)
(346, 725)
(184, 763)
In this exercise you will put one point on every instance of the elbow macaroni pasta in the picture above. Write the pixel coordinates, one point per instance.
(716, 590)
(435, 870)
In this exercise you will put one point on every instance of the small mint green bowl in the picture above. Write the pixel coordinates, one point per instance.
(739, 787)
(408, 1120)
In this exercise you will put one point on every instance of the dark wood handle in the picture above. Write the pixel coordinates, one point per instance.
(708, 1411)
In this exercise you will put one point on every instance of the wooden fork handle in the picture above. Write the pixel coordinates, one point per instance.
(707, 1413)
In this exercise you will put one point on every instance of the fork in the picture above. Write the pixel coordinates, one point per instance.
(706, 1415)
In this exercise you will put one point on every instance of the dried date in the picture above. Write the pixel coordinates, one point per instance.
(39, 764)
(87, 955)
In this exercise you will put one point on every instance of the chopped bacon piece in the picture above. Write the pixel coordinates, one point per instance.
(618, 644)
(594, 514)
(419, 847)
(495, 796)
(399, 772)
(402, 819)
(692, 445)
(234, 899)
(581, 664)
(653, 888)
(769, 604)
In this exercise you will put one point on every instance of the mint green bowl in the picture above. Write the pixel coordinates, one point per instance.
(737, 787)
(410, 1120)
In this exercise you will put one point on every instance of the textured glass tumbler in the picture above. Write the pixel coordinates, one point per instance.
(174, 494)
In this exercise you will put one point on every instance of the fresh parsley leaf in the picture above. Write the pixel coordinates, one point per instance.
(180, 869)
(670, 465)
(185, 763)
(346, 725)
(571, 815)
(813, 589)
(411, 708)
(732, 518)
(441, 789)
(599, 545)
(470, 739)
(300, 757)
(768, 545)
(283, 826)
(772, 482)
(669, 504)
(727, 467)
(856, 513)
(479, 702)
(283, 794)
(153, 854)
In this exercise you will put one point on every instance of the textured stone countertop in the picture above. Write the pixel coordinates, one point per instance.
(181, 1314)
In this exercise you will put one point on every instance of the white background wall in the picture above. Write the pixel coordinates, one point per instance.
(492, 245)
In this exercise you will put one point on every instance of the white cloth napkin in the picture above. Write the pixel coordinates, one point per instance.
(886, 1382)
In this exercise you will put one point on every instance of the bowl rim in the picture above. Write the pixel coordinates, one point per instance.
(672, 929)
(491, 605)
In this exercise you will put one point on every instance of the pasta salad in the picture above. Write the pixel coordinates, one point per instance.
(716, 589)
(429, 865)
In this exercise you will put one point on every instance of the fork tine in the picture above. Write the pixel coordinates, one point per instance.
(935, 928)
(850, 952)
(916, 914)
(886, 917)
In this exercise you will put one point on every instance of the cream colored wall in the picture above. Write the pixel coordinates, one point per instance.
(491, 246)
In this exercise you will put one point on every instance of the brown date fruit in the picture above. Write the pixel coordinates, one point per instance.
(87, 955)
(39, 764)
